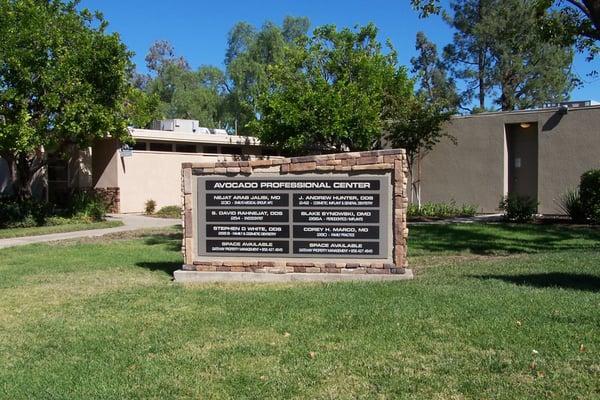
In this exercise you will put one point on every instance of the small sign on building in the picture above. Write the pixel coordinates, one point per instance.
(126, 151)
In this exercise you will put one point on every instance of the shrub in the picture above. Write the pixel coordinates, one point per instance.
(518, 208)
(441, 210)
(23, 214)
(570, 204)
(150, 207)
(589, 192)
(87, 206)
(169, 212)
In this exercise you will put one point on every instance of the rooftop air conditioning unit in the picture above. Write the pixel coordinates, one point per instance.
(217, 131)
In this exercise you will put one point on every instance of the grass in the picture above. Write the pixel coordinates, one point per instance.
(45, 230)
(168, 212)
(102, 319)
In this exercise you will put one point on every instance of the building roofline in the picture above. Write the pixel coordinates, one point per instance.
(524, 112)
(173, 136)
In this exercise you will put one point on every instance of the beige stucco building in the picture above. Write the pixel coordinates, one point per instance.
(148, 170)
(537, 153)
(152, 169)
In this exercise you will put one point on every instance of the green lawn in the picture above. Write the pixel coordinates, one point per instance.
(45, 230)
(496, 312)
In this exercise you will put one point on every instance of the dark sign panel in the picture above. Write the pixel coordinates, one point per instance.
(231, 215)
(336, 200)
(336, 248)
(247, 200)
(307, 216)
(336, 232)
(260, 231)
(340, 217)
(268, 184)
(248, 246)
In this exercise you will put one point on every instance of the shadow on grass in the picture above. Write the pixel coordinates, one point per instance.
(171, 240)
(165, 266)
(584, 282)
(488, 239)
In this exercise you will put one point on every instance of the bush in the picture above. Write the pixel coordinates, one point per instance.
(589, 192)
(570, 204)
(169, 212)
(87, 206)
(518, 208)
(23, 214)
(441, 210)
(149, 207)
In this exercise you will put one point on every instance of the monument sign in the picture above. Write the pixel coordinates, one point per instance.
(338, 213)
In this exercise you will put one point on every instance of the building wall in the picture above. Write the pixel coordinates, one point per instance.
(568, 147)
(471, 171)
(104, 163)
(154, 175)
(151, 175)
(475, 169)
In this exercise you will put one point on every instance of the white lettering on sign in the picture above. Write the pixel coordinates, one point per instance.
(291, 185)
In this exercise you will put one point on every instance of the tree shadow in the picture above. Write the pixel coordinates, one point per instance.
(167, 267)
(493, 238)
(171, 240)
(584, 282)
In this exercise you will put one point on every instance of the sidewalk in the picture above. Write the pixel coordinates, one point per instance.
(131, 222)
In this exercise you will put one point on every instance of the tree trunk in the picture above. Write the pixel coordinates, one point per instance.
(22, 170)
(593, 8)
(481, 65)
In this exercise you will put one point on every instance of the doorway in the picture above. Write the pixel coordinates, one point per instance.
(522, 159)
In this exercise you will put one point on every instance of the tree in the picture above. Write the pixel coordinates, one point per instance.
(142, 108)
(63, 82)
(469, 55)
(417, 127)
(249, 53)
(162, 54)
(435, 85)
(330, 93)
(294, 28)
(182, 93)
(503, 60)
(577, 21)
(527, 70)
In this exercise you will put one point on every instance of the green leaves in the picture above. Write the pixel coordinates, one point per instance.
(63, 80)
(329, 93)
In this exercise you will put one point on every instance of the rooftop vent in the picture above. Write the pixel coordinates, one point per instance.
(185, 126)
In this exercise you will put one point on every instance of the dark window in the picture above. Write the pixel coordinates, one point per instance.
(235, 150)
(210, 149)
(139, 146)
(185, 148)
(161, 147)
(58, 170)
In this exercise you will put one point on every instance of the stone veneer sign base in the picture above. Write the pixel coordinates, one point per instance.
(328, 217)
(211, 277)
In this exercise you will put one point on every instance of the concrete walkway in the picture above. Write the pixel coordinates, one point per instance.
(131, 222)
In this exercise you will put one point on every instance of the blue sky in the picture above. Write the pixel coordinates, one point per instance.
(198, 29)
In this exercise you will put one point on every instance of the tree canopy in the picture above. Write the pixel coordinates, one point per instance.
(501, 59)
(575, 22)
(331, 92)
(63, 81)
